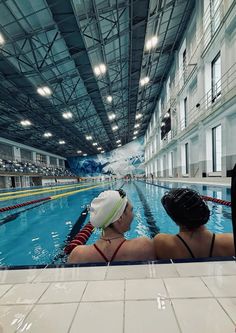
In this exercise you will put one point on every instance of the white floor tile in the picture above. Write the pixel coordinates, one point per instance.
(49, 318)
(162, 270)
(206, 268)
(144, 289)
(63, 292)
(186, 287)
(72, 274)
(149, 317)
(12, 317)
(24, 293)
(104, 317)
(202, 316)
(18, 276)
(128, 272)
(104, 291)
(229, 304)
(3, 289)
(221, 286)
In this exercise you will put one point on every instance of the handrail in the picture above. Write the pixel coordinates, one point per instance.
(207, 104)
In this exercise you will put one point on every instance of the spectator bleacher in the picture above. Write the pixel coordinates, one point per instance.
(16, 167)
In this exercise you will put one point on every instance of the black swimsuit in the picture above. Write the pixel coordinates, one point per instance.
(190, 251)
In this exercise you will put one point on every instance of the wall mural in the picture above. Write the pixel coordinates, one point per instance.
(122, 161)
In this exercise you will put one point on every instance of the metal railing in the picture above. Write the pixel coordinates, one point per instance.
(224, 90)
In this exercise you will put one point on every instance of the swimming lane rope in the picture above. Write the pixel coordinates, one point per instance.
(4, 209)
(204, 197)
(80, 239)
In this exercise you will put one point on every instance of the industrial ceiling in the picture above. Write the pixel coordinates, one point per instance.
(83, 60)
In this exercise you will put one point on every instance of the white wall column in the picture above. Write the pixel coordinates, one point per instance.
(16, 153)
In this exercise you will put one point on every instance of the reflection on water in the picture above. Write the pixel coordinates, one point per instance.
(37, 235)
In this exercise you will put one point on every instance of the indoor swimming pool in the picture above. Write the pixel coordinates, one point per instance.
(36, 234)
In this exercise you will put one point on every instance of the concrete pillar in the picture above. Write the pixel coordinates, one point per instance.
(34, 156)
(16, 154)
(201, 150)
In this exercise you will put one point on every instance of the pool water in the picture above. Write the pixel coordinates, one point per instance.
(36, 235)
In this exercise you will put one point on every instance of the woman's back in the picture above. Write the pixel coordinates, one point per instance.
(198, 244)
(130, 250)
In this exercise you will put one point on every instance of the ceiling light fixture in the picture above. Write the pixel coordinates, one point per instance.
(112, 116)
(115, 127)
(138, 116)
(135, 132)
(144, 81)
(119, 145)
(79, 151)
(99, 148)
(136, 125)
(44, 91)
(2, 39)
(85, 154)
(100, 69)
(118, 141)
(62, 142)
(25, 123)
(47, 134)
(88, 137)
(151, 43)
(95, 144)
(67, 115)
(102, 151)
(134, 137)
(109, 99)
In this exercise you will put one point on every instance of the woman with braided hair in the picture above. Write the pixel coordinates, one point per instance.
(190, 212)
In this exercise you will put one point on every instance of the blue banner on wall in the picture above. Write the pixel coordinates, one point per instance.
(127, 159)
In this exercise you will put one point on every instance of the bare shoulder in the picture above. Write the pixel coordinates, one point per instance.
(163, 238)
(79, 254)
(164, 245)
(143, 240)
(143, 246)
(225, 244)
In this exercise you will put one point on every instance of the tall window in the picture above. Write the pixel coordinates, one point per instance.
(216, 148)
(186, 150)
(171, 163)
(216, 77)
(185, 111)
(184, 65)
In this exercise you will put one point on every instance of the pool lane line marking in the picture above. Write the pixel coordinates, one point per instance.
(39, 192)
(36, 189)
(35, 192)
(165, 187)
(151, 222)
(77, 191)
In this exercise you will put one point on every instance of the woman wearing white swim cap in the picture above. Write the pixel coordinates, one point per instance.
(113, 213)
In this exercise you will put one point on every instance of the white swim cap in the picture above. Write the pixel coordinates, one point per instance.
(107, 208)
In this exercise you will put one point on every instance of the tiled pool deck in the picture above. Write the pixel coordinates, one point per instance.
(146, 298)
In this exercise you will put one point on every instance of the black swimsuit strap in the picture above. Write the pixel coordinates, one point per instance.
(186, 245)
(212, 244)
